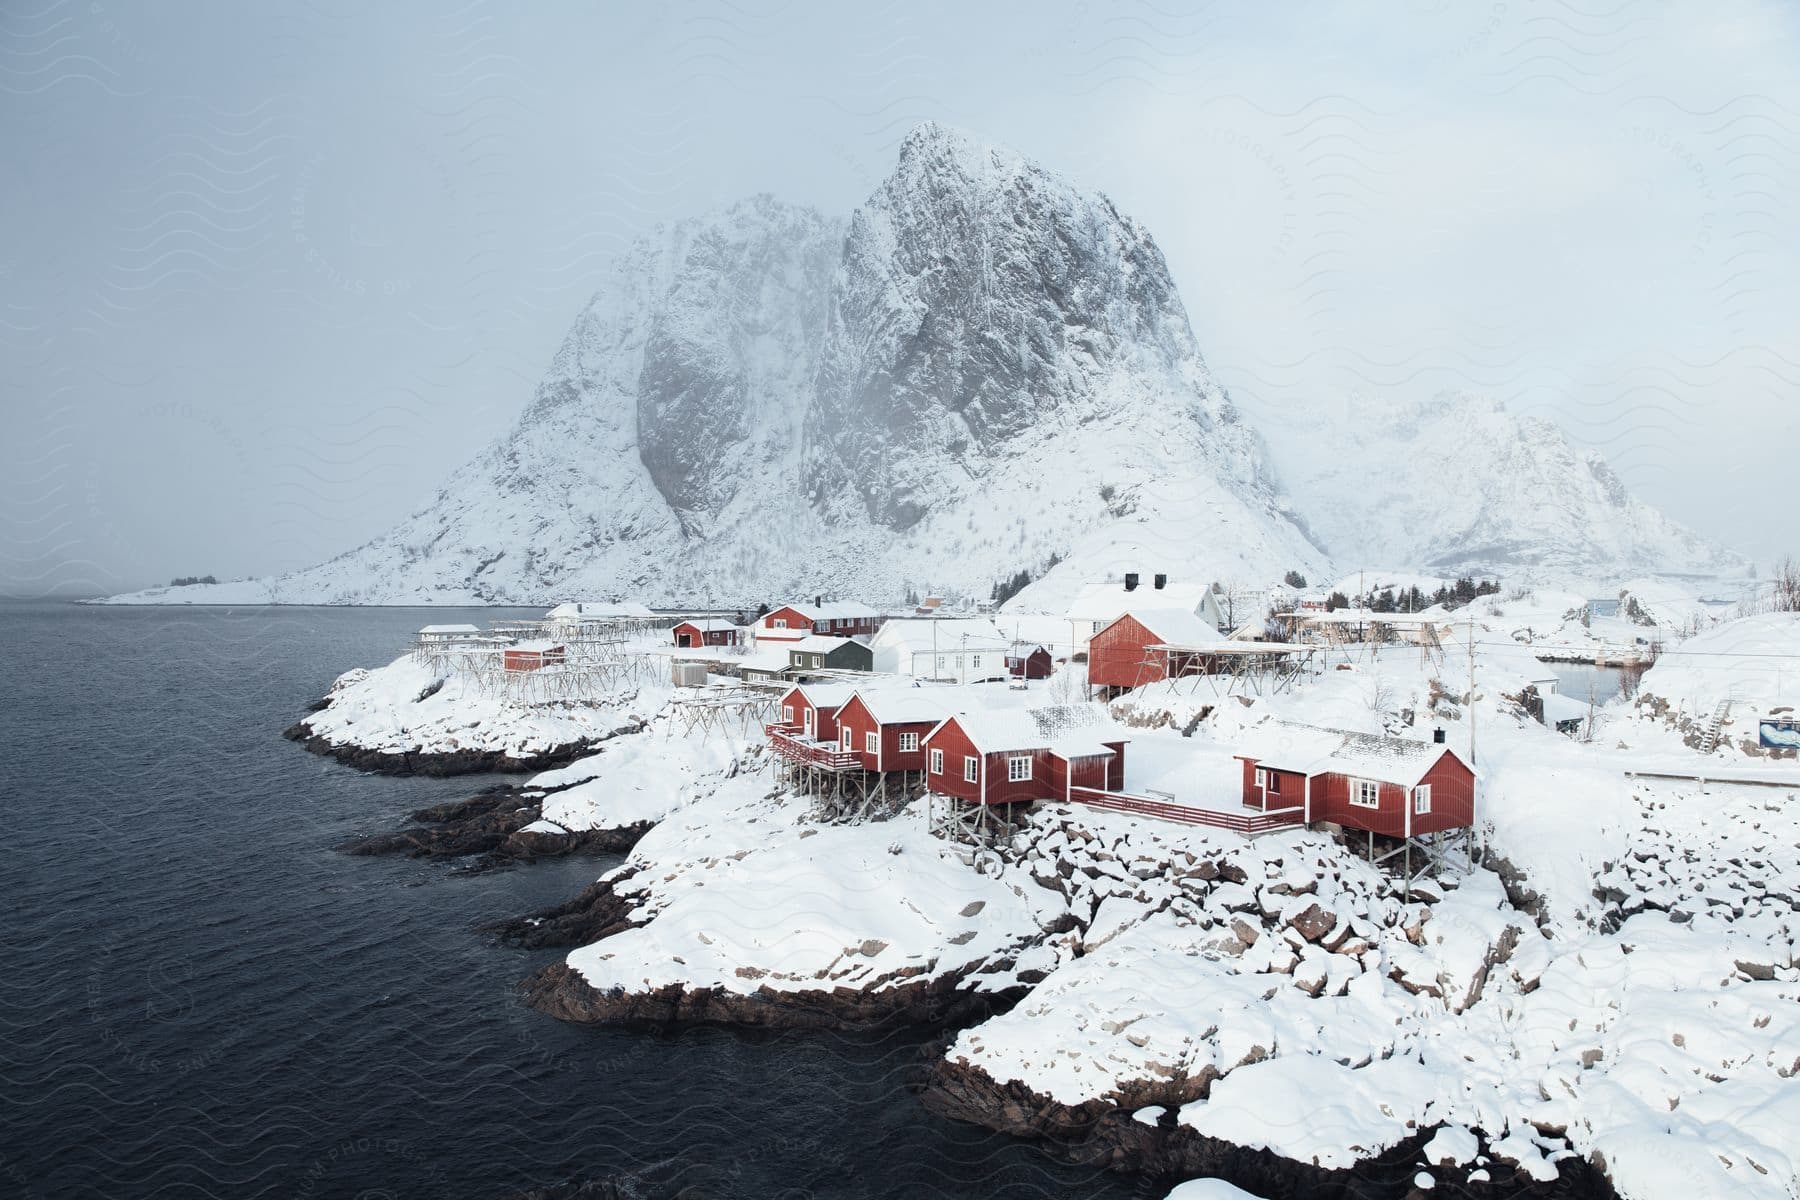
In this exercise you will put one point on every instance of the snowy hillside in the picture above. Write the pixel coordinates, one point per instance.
(1459, 485)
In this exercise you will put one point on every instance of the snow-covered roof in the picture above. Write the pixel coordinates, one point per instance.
(902, 706)
(1179, 627)
(773, 659)
(1559, 708)
(923, 635)
(1104, 601)
(536, 647)
(825, 695)
(1067, 733)
(816, 643)
(1311, 750)
(711, 625)
(449, 629)
(832, 610)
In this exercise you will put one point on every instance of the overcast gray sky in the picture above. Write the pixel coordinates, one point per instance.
(270, 271)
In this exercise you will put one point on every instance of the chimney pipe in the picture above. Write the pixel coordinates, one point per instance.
(1131, 581)
(1162, 581)
(1437, 735)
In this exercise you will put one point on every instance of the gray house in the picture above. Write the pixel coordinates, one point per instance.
(818, 653)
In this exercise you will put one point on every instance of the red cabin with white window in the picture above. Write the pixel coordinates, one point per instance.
(1145, 646)
(811, 710)
(791, 622)
(1396, 787)
(1006, 758)
(888, 730)
(694, 635)
(532, 656)
(1029, 662)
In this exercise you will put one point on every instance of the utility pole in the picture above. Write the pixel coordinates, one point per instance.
(1471, 689)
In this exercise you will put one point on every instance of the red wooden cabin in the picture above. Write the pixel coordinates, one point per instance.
(1396, 787)
(811, 710)
(530, 656)
(791, 622)
(696, 634)
(1007, 758)
(888, 729)
(1029, 662)
(1144, 646)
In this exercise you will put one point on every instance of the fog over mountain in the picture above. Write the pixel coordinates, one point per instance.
(985, 369)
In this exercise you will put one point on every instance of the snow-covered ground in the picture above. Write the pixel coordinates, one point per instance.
(1640, 1010)
(428, 705)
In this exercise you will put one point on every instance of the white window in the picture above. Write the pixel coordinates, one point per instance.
(787, 714)
(937, 762)
(975, 662)
(1422, 800)
(777, 622)
(870, 741)
(909, 742)
(971, 768)
(1262, 777)
(1018, 769)
(844, 738)
(1365, 793)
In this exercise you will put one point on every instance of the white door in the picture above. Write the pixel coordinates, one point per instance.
(809, 724)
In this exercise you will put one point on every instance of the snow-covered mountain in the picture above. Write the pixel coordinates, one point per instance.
(1457, 484)
(989, 368)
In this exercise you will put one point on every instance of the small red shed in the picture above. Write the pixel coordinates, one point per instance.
(1029, 662)
(531, 656)
(1144, 646)
(709, 632)
(1396, 787)
(1018, 758)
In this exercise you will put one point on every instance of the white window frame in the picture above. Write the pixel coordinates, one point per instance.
(1262, 777)
(871, 742)
(1361, 787)
(909, 742)
(971, 769)
(1421, 800)
(844, 742)
(1018, 769)
(975, 662)
(777, 622)
(937, 761)
(787, 714)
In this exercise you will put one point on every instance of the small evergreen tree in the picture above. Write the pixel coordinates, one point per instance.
(1294, 579)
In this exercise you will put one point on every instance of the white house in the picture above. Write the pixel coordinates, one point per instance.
(1100, 604)
(964, 649)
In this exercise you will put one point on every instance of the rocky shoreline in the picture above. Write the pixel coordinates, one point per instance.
(1110, 1136)
(493, 824)
(939, 1001)
(439, 763)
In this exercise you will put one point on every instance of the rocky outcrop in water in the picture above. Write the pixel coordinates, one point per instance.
(939, 1000)
(493, 823)
(436, 763)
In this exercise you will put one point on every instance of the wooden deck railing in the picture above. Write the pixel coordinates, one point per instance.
(786, 741)
(1247, 822)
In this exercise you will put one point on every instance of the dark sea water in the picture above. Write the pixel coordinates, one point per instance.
(198, 997)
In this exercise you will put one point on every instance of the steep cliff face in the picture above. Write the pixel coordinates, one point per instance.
(980, 299)
(1457, 483)
(730, 356)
